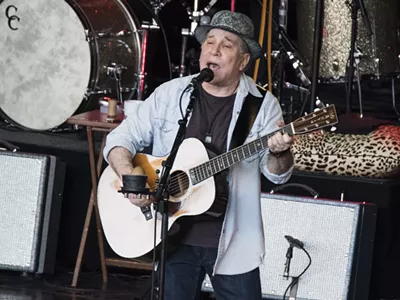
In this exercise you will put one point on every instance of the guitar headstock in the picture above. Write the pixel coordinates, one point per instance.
(324, 117)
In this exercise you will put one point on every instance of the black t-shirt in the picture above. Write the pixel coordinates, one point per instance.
(209, 123)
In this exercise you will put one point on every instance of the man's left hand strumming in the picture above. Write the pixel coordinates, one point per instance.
(280, 158)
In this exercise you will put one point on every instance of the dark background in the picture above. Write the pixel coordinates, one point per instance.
(174, 17)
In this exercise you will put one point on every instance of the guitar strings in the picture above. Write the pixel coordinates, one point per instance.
(201, 168)
(183, 178)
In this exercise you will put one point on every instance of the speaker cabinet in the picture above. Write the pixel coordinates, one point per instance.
(337, 235)
(31, 190)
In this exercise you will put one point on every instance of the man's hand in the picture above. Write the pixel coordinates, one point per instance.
(279, 142)
(138, 199)
(121, 161)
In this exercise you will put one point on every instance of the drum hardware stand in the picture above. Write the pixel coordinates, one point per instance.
(196, 17)
(283, 6)
(294, 56)
(157, 5)
(145, 28)
(115, 72)
(182, 68)
(356, 5)
(394, 99)
(357, 59)
(287, 56)
(316, 56)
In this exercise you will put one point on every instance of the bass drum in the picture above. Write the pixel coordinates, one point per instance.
(56, 57)
(380, 52)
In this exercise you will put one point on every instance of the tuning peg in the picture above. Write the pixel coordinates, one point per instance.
(319, 103)
(316, 109)
(333, 129)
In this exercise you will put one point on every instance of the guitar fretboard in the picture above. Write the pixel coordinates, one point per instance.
(228, 159)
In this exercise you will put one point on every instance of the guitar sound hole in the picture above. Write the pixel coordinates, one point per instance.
(179, 184)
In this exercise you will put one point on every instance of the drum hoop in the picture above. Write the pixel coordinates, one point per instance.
(134, 20)
(93, 48)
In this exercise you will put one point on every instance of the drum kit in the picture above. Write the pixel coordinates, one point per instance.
(60, 58)
(378, 53)
(374, 28)
(360, 42)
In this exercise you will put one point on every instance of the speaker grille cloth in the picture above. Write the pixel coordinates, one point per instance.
(328, 230)
(21, 196)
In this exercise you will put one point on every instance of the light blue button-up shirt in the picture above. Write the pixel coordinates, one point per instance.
(155, 121)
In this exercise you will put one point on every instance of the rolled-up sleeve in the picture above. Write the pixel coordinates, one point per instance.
(136, 131)
(272, 114)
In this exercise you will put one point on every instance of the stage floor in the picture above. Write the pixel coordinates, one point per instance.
(134, 286)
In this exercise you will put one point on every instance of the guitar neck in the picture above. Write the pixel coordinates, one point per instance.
(232, 157)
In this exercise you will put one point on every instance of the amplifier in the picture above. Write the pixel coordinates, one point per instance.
(337, 235)
(31, 191)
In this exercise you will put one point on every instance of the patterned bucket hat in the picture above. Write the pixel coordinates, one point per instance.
(236, 23)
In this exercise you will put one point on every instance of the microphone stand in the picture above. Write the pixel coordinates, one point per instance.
(162, 194)
(294, 285)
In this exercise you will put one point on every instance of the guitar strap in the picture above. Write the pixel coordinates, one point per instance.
(246, 119)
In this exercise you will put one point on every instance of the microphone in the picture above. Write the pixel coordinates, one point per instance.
(206, 75)
(294, 242)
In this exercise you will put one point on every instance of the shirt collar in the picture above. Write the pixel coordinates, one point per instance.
(247, 85)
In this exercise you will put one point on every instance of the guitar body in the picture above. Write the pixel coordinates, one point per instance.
(126, 229)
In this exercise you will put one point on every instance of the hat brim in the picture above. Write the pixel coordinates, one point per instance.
(255, 49)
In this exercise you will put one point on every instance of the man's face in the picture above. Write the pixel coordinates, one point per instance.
(221, 52)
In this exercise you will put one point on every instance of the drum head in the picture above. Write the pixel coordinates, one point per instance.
(45, 62)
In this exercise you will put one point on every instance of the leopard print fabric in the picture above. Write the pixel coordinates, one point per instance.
(376, 155)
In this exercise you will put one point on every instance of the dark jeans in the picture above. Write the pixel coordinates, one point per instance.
(185, 271)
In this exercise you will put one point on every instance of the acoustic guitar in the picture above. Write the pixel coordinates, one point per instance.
(191, 186)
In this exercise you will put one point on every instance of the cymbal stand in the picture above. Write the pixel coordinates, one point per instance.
(283, 8)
